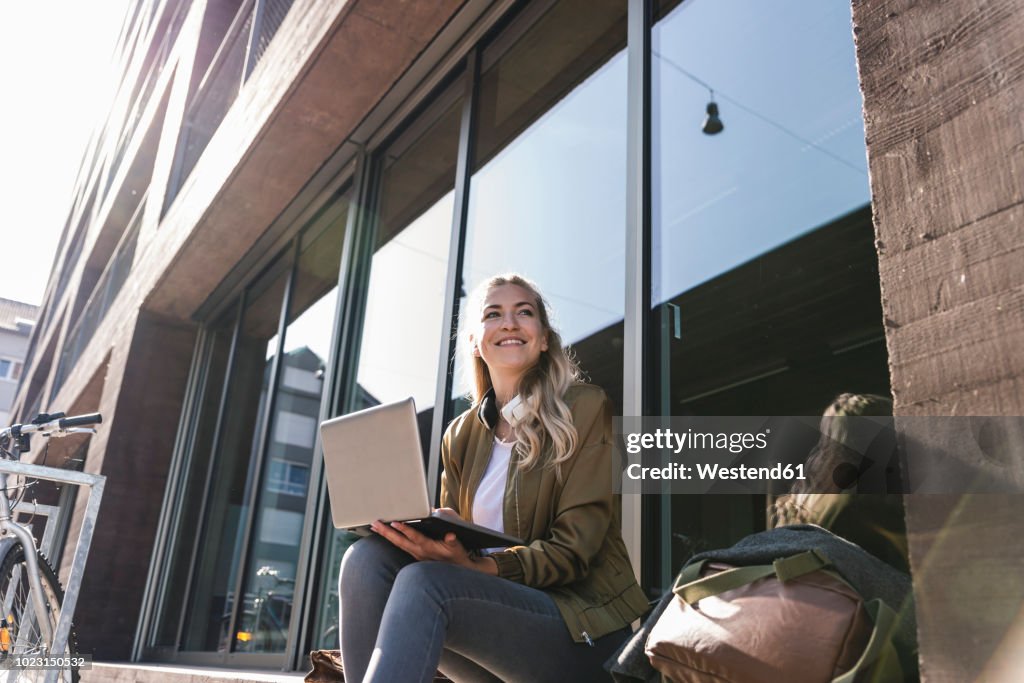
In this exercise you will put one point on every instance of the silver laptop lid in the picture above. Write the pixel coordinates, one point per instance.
(374, 466)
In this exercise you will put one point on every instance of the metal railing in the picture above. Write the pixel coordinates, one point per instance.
(95, 484)
(269, 16)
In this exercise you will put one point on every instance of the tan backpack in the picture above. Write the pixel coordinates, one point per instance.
(794, 620)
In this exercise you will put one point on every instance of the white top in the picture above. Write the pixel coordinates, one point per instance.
(489, 500)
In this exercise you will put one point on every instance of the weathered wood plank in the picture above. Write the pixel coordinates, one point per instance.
(977, 261)
(1001, 397)
(942, 85)
(973, 345)
(928, 62)
(967, 581)
(962, 172)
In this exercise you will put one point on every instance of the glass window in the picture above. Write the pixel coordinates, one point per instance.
(289, 478)
(403, 324)
(297, 477)
(184, 544)
(6, 367)
(295, 429)
(765, 277)
(228, 498)
(269, 582)
(547, 198)
(264, 452)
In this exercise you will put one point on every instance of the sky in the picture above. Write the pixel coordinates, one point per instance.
(56, 70)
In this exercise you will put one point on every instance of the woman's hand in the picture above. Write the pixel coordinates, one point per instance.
(423, 547)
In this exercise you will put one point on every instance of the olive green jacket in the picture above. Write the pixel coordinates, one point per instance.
(574, 548)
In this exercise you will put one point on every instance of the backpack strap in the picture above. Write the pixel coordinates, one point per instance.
(692, 588)
(879, 648)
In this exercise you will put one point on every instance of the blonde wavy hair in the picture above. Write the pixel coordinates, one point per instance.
(547, 423)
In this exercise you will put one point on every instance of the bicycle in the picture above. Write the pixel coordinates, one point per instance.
(263, 622)
(31, 595)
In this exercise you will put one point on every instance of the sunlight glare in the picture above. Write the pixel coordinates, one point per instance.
(57, 76)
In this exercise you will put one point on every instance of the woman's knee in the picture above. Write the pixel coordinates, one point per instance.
(368, 557)
(427, 579)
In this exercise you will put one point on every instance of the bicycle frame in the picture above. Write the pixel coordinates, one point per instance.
(9, 527)
(57, 638)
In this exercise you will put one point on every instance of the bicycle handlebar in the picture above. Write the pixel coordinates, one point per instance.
(59, 426)
(80, 420)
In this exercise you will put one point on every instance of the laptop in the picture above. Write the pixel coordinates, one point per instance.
(374, 469)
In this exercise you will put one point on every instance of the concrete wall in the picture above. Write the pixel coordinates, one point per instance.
(141, 411)
(943, 87)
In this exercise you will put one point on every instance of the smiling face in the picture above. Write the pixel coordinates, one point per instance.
(510, 335)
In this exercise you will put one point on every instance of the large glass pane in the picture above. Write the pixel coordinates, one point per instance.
(205, 420)
(765, 283)
(547, 198)
(403, 328)
(274, 547)
(228, 490)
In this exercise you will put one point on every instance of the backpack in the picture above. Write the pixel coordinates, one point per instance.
(794, 604)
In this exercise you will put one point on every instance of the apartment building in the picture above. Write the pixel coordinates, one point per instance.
(17, 321)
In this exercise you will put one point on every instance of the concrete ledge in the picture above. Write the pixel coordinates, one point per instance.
(173, 673)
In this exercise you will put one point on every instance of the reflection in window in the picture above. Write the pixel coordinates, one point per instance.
(403, 328)
(281, 497)
(295, 429)
(302, 380)
(765, 282)
(791, 157)
(547, 198)
(220, 547)
(290, 478)
(215, 359)
(280, 527)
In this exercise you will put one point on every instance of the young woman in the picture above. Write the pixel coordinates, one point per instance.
(532, 458)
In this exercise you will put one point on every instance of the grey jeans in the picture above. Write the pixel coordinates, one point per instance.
(401, 620)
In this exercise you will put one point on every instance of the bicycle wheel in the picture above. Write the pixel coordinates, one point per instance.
(20, 633)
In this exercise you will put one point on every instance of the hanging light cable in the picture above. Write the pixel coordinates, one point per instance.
(753, 112)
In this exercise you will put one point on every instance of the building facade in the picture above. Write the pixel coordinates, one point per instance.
(17, 320)
(281, 216)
